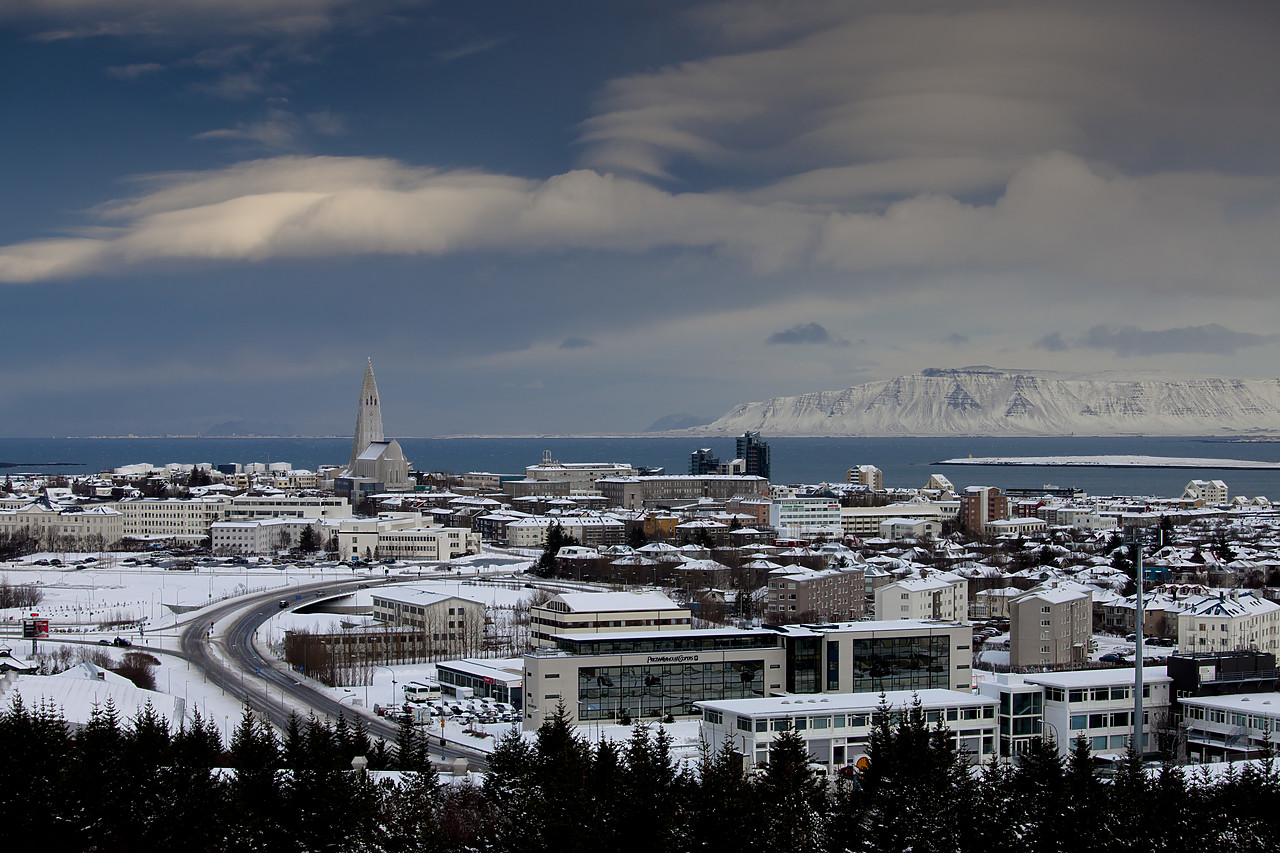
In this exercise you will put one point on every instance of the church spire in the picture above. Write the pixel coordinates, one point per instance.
(368, 415)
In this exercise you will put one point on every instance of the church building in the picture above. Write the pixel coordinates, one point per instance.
(376, 464)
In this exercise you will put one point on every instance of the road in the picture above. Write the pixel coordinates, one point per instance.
(263, 687)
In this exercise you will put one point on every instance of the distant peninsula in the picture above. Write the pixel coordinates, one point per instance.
(986, 401)
(1112, 462)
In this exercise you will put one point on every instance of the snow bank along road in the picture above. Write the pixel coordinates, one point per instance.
(259, 684)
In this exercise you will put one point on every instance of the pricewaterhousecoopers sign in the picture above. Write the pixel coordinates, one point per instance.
(672, 659)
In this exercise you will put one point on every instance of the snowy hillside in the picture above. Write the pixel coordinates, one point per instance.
(986, 401)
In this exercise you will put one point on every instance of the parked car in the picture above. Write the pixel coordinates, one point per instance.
(1112, 657)
(121, 642)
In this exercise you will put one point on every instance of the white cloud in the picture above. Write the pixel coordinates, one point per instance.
(1056, 216)
(307, 207)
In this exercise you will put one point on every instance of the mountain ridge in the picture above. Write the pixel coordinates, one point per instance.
(982, 400)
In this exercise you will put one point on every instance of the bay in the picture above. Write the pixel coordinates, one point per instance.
(906, 462)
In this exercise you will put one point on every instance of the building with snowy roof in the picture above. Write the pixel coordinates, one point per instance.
(941, 595)
(1228, 621)
(837, 727)
(1050, 627)
(605, 612)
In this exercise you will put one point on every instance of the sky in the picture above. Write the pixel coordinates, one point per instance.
(582, 217)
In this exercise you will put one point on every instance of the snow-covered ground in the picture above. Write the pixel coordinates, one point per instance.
(89, 602)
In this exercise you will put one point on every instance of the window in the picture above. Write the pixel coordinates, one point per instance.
(1079, 721)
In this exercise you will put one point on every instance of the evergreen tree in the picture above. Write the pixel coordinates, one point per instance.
(255, 795)
(792, 797)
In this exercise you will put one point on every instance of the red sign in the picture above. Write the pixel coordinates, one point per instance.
(33, 629)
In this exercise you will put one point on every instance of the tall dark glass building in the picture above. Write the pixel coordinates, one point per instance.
(755, 453)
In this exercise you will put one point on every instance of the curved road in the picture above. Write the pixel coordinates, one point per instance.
(261, 686)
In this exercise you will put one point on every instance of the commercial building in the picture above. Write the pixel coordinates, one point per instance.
(898, 529)
(803, 518)
(601, 676)
(837, 727)
(1098, 703)
(653, 492)
(287, 506)
(864, 521)
(428, 543)
(454, 623)
(606, 612)
(1050, 627)
(182, 519)
(650, 674)
(499, 680)
(1230, 728)
(581, 477)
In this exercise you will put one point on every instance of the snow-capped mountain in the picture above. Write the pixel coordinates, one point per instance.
(988, 401)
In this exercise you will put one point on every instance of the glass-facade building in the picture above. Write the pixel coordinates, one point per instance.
(652, 674)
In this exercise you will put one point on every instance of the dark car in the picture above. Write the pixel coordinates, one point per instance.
(104, 642)
(121, 642)
(1112, 657)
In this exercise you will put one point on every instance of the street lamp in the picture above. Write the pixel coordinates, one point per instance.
(393, 684)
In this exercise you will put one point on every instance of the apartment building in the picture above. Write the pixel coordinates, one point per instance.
(1050, 627)
(808, 595)
(941, 595)
(865, 475)
(591, 530)
(1228, 621)
(980, 505)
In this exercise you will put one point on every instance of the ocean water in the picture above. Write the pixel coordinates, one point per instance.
(906, 462)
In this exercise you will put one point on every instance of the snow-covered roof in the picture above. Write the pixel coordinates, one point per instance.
(1098, 677)
(615, 602)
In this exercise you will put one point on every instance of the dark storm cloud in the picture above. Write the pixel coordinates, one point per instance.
(1127, 341)
(804, 333)
(1052, 342)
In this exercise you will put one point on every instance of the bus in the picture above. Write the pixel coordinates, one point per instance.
(417, 691)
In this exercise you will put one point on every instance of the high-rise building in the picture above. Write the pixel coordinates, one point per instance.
(703, 461)
(755, 453)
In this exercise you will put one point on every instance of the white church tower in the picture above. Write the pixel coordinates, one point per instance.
(368, 416)
(376, 463)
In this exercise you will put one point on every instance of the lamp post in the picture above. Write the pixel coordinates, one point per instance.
(393, 684)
